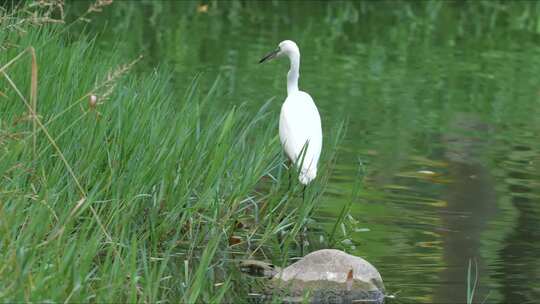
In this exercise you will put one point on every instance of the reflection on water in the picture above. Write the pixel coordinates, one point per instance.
(520, 175)
(471, 201)
(442, 101)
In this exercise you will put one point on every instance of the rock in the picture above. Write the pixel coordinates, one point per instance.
(323, 276)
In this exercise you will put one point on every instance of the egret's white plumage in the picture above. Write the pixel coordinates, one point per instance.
(299, 122)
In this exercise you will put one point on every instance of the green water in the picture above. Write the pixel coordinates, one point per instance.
(441, 102)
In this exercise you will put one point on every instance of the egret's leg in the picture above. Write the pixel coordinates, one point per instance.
(290, 176)
(303, 238)
(290, 179)
(303, 231)
(280, 240)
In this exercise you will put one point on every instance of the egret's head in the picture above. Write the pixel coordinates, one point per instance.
(286, 47)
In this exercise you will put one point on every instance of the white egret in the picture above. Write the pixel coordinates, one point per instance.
(300, 130)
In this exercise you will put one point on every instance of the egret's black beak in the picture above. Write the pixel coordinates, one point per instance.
(270, 55)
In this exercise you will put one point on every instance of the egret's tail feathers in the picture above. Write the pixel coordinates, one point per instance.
(307, 175)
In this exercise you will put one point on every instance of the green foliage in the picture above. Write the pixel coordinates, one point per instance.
(153, 193)
(129, 193)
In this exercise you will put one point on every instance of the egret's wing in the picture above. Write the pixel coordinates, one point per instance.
(299, 124)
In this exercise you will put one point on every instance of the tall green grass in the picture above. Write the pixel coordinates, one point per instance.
(146, 195)
(472, 283)
(472, 280)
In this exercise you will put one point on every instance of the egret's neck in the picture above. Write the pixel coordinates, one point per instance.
(294, 73)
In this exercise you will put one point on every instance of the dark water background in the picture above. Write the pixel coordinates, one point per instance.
(441, 101)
